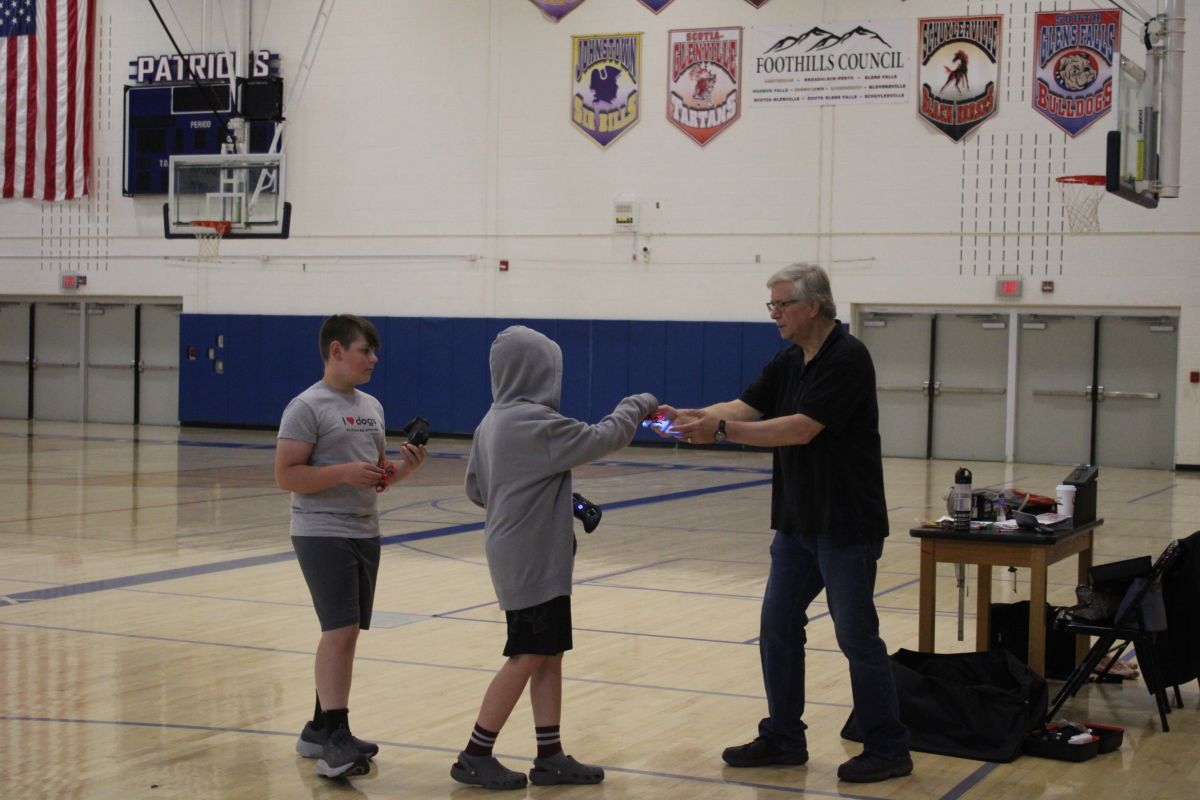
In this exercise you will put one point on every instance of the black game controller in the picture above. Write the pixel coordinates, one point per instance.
(586, 512)
(416, 430)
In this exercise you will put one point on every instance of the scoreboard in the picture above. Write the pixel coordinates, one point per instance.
(163, 120)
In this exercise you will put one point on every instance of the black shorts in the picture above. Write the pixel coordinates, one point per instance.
(340, 574)
(541, 630)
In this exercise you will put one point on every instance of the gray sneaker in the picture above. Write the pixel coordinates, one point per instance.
(340, 758)
(312, 742)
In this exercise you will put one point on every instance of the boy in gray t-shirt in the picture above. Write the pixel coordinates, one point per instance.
(331, 455)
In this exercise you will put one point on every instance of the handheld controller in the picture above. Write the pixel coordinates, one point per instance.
(416, 430)
(658, 421)
(586, 512)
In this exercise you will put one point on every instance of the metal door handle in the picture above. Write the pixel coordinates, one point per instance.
(970, 390)
(1133, 395)
(899, 388)
(1062, 392)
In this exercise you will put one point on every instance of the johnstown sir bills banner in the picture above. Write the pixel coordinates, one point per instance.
(704, 72)
(1076, 51)
(959, 72)
(830, 63)
(606, 70)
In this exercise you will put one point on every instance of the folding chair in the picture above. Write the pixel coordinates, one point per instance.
(1136, 623)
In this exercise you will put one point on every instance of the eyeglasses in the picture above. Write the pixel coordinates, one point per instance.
(779, 305)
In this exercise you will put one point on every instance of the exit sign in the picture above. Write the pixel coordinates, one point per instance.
(71, 282)
(1007, 286)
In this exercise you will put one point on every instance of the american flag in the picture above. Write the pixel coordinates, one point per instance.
(46, 96)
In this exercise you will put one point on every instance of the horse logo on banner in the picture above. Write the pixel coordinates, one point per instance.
(959, 72)
(606, 72)
(1076, 52)
(704, 74)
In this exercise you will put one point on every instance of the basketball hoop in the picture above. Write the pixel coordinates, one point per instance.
(1081, 196)
(208, 237)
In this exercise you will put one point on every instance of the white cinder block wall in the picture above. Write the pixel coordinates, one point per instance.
(434, 139)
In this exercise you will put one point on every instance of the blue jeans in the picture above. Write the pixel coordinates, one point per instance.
(799, 571)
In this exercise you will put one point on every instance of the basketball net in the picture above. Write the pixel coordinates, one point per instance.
(1081, 196)
(208, 237)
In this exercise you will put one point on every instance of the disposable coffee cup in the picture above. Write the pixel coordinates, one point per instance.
(1066, 499)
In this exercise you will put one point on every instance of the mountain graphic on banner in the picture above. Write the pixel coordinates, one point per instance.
(828, 39)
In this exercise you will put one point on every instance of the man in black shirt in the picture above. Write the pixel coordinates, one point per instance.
(815, 404)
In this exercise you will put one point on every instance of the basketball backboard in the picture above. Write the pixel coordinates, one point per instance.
(246, 190)
(1131, 167)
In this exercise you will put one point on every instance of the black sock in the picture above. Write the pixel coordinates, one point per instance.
(549, 743)
(318, 720)
(481, 742)
(337, 718)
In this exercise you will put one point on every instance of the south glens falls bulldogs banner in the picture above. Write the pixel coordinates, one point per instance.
(607, 69)
(703, 80)
(1076, 51)
(959, 72)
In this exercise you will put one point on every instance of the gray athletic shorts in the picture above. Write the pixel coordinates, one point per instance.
(340, 574)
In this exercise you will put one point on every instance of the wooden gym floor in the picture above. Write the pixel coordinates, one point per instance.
(156, 637)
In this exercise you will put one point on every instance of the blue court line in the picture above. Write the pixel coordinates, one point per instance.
(70, 590)
(393, 661)
(663, 498)
(671, 776)
(226, 445)
(89, 587)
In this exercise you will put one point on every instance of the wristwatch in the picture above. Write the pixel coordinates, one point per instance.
(719, 436)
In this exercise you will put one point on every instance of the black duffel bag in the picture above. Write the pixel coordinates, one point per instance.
(969, 705)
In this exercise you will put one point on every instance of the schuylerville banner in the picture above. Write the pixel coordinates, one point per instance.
(959, 72)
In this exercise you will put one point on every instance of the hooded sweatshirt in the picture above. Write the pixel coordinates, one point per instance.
(520, 467)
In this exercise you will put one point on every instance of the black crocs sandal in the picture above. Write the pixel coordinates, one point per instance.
(562, 768)
(485, 771)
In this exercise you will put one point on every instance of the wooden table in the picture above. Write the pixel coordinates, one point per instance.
(1004, 548)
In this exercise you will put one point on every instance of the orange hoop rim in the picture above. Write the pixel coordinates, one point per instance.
(220, 226)
(1087, 180)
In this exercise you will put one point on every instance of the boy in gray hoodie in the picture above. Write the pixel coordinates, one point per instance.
(520, 472)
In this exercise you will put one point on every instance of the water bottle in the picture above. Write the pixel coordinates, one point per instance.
(962, 499)
(1001, 509)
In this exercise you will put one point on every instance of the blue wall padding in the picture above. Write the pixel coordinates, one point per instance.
(438, 366)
